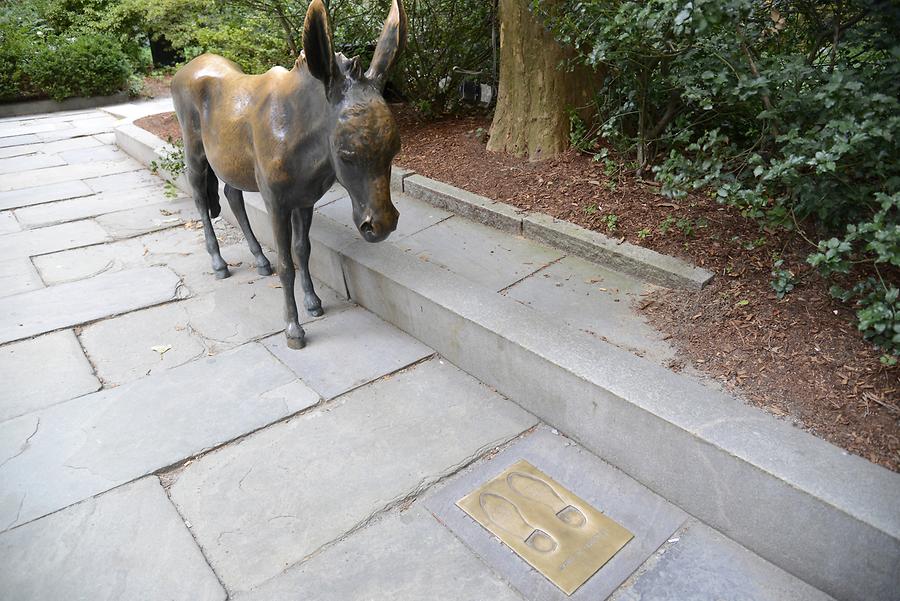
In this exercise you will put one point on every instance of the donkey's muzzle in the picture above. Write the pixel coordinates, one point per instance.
(378, 230)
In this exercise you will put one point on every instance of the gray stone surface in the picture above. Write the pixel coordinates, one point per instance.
(96, 153)
(350, 338)
(406, 556)
(728, 464)
(122, 181)
(480, 253)
(64, 173)
(415, 215)
(58, 354)
(90, 206)
(31, 126)
(149, 218)
(269, 502)
(497, 215)
(650, 518)
(17, 275)
(703, 565)
(51, 148)
(83, 128)
(44, 240)
(34, 161)
(89, 261)
(18, 140)
(8, 223)
(122, 348)
(621, 256)
(43, 193)
(129, 543)
(41, 107)
(232, 315)
(73, 450)
(597, 301)
(66, 305)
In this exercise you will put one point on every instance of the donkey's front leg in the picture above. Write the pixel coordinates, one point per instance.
(302, 220)
(281, 227)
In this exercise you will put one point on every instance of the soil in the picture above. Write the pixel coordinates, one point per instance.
(156, 86)
(800, 357)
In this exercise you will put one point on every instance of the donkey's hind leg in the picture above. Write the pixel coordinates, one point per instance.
(205, 186)
(236, 202)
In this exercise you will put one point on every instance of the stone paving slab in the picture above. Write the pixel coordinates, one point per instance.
(33, 161)
(73, 450)
(40, 194)
(50, 148)
(8, 223)
(703, 565)
(65, 173)
(87, 128)
(89, 261)
(148, 218)
(406, 556)
(95, 153)
(66, 305)
(482, 254)
(57, 371)
(649, 517)
(595, 300)
(270, 501)
(29, 243)
(26, 126)
(232, 315)
(73, 209)
(17, 275)
(350, 338)
(19, 140)
(129, 543)
(415, 215)
(122, 348)
(127, 180)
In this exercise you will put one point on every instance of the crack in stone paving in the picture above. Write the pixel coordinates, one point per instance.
(406, 500)
(24, 446)
(506, 289)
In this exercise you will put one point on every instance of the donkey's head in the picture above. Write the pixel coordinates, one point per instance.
(363, 137)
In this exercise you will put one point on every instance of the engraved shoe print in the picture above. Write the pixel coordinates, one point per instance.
(537, 490)
(507, 517)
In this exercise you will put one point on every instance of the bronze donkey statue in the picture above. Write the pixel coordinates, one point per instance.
(289, 135)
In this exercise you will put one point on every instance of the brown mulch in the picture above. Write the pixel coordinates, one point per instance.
(156, 86)
(800, 357)
(164, 125)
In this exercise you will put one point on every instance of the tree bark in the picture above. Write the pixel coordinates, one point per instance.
(536, 90)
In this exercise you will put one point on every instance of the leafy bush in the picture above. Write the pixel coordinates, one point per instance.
(89, 65)
(788, 111)
(14, 48)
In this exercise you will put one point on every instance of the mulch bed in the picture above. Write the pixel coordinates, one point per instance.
(800, 357)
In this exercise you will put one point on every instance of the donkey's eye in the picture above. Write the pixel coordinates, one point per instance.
(347, 156)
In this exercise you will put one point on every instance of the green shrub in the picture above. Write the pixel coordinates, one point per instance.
(14, 49)
(89, 65)
(789, 112)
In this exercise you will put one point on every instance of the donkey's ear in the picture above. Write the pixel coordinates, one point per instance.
(317, 44)
(390, 44)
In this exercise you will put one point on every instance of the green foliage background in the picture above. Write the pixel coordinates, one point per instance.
(786, 110)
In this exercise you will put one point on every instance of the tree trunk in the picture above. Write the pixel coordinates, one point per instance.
(536, 91)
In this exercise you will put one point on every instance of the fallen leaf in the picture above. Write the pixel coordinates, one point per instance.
(161, 349)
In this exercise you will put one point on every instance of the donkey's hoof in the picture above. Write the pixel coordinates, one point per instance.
(316, 311)
(264, 270)
(221, 274)
(296, 343)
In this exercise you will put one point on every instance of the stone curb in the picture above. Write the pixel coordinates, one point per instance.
(823, 515)
(642, 262)
(32, 107)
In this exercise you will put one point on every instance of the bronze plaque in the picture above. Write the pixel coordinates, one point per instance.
(551, 528)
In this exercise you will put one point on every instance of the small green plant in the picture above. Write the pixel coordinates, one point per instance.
(611, 221)
(644, 233)
(783, 280)
(171, 160)
(590, 209)
(666, 224)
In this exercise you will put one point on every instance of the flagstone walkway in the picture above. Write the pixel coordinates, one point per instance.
(159, 441)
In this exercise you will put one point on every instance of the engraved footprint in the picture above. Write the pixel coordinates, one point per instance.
(537, 490)
(507, 517)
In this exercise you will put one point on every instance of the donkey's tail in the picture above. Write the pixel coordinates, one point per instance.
(212, 193)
